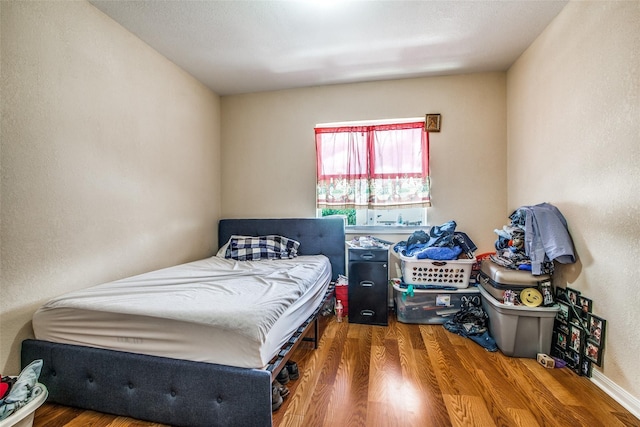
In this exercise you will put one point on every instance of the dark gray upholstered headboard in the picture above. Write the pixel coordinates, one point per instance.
(316, 235)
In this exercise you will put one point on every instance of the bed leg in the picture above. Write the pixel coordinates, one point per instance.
(316, 331)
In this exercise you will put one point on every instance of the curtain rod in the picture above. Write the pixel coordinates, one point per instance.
(371, 122)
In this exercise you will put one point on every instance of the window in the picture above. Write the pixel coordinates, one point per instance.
(373, 173)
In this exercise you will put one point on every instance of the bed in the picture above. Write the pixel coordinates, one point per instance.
(176, 389)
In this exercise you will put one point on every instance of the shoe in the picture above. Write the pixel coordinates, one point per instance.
(283, 390)
(292, 369)
(283, 376)
(276, 398)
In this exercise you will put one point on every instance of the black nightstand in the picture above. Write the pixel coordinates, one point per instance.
(368, 285)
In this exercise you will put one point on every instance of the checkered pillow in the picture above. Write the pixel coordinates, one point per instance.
(262, 247)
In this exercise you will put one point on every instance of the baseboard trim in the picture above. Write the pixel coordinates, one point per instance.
(619, 394)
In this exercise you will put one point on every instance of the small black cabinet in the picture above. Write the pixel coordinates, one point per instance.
(368, 285)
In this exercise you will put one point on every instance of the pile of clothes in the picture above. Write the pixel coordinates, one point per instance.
(439, 243)
(471, 321)
(536, 236)
(17, 392)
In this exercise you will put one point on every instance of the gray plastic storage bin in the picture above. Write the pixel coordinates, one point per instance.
(519, 331)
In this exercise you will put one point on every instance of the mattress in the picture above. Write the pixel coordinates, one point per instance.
(217, 310)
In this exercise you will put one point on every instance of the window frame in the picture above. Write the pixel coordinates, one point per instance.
(370, 214)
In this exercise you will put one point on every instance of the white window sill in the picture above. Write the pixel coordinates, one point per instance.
(382, 229)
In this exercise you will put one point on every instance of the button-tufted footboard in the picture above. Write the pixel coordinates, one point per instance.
(169, 391)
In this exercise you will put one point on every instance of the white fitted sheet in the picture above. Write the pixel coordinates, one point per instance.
(237, 313)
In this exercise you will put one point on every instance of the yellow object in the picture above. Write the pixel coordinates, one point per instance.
(531, 297)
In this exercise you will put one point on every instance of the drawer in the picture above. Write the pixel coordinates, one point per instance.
(368, 275)
(370, 315)
(368, 255)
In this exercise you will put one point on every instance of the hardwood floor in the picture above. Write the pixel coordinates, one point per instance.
(413, 375)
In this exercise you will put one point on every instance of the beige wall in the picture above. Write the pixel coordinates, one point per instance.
(574, 141)
(110, 159)
(269, 149)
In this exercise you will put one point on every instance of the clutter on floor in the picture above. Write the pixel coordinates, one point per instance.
(430, 306)
(536, 236)
(441, 242)
(279, 390)
(436, 270)
(526, 317)
(471, 322)
(22, 395)
(515, 281)
(440, 258)
(342, 294)
(514, 307)
(578, 334)
(435, 286)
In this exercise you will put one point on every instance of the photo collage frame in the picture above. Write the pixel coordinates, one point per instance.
(578, 334)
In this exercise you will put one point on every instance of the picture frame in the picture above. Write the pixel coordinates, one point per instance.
(561, 327)
(586, 368)
(575, 317)
(586, 305)
(432, 122)
(561, 341)
(547, 293)
(572, 296)
(561, 294)
(593, 353)
(576, 338)
(578, 334)
(564, 313)
(596, 328)
(573, 359)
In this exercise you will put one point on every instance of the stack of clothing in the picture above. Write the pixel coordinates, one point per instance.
(471, 321)
(440, 243)
(537, 236)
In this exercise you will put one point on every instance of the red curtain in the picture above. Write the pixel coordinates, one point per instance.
(381, 166)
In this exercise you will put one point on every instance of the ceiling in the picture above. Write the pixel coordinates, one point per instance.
(237, 47)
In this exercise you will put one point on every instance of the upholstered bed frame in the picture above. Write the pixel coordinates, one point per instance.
(181, 392)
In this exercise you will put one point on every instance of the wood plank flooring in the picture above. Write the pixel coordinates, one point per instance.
(412, 375)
